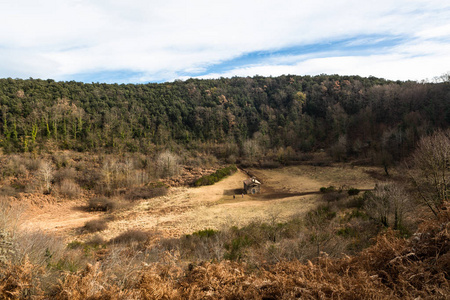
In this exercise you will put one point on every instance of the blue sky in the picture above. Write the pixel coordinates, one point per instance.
(140, 41)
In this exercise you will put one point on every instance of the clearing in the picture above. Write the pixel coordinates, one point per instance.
(285, 192)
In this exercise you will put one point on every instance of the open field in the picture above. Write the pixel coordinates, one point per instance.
(285, 192)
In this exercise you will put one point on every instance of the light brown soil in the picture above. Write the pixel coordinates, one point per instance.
(186, 209)
(46, 213)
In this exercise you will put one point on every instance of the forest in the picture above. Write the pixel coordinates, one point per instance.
(349, 116)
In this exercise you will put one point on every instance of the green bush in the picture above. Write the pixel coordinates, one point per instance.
(216, 176)
(236, 247)
(74, 245)
(205, 233)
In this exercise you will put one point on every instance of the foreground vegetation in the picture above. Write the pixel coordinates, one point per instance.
(393, 267)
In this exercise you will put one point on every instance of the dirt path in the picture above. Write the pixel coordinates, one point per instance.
(53, 216)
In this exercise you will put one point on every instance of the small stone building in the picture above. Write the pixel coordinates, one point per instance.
(252, 186)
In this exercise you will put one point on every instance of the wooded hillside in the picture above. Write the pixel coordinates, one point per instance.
(348, 115)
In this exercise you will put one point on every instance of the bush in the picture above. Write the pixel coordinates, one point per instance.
(102, 204)
(69, 189)
(333, 196)
(39, 247)
(235, 249)
(355, 202)
(353, 192)
(206, 233)
(64, 173)
(96, 240)
(132, 235)
(89, 178)
(327, 189)
(74, 245)
(216, 176)
(270, 164)
(147, 192)
(95, 226)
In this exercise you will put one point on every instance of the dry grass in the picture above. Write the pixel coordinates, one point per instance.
(393, 268)
(130, 236)
(185, 210)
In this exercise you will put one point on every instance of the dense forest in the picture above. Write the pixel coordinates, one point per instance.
(353, 116)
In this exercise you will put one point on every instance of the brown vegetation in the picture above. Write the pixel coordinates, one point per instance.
(393, 268)
(95, 226)
(293, 244)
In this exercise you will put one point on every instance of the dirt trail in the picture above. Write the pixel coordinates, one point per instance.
(53, 216)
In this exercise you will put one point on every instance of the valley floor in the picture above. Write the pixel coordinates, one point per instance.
(285, 192)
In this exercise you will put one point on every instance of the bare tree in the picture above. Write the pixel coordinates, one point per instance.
(46, 174)
(252, 150)
(109, 174)
(168, 164)
(430, 169)
(388, 204)
(318, 224)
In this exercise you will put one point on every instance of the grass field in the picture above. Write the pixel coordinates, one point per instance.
(285, 192)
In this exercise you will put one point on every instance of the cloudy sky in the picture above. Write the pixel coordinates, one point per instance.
(141, 41)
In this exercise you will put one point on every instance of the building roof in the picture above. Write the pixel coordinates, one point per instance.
(251, 180)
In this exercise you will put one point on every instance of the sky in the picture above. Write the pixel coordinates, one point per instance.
(140, 41)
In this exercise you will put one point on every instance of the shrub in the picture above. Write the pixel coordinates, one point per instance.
(69, 189)
(216, 176)
(355, 202)
(14, 167)
(332, 196)
(64, 174)
(96, 240)
(327, 189)
(236, 247)
(32, 164)
(206, 233)
(74, 245)
(102, 204)
(347, 232)
(95, 226)
(39, 247)
(147, 192)
(353, 192)
(270, 164)
(89, 178)
(132, 235)
(61, 160)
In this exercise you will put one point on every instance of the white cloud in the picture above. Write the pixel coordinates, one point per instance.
(161, 39)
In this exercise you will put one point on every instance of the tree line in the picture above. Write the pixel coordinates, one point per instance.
(356, 116)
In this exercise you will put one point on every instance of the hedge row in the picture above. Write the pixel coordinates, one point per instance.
(216, 176)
